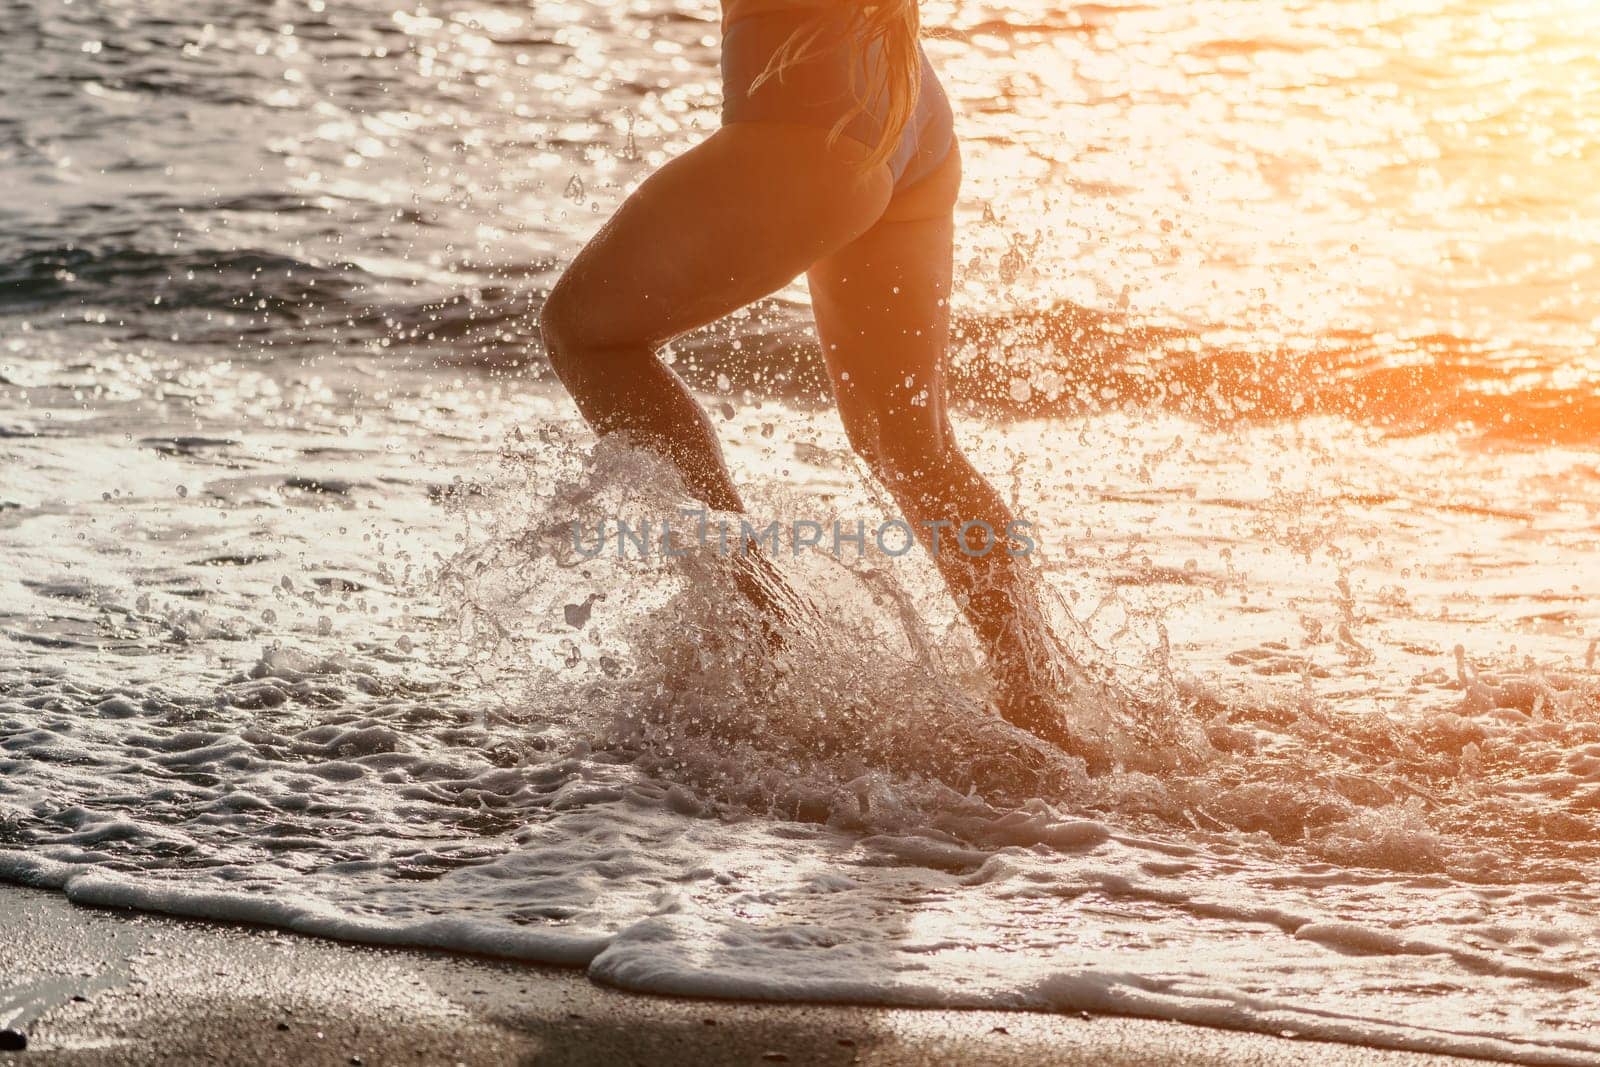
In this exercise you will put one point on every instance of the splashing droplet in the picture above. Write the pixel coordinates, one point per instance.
(630, 149)
(1011, 265)
(577, 615)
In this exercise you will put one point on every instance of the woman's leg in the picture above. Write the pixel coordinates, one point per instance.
(883, 315)
(729, 221)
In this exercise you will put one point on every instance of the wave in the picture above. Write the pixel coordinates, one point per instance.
(1069, 360)
(146, 282)
(1063, 361)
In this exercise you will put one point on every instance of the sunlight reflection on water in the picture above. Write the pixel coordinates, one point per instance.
(1278, 319)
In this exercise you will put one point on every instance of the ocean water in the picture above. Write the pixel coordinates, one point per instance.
(1277, 320)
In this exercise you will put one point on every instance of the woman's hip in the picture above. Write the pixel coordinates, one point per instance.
(826, 84)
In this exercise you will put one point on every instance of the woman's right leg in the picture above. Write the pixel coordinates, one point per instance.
(731, 220)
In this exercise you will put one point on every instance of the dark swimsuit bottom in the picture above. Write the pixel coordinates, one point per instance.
(817, 91)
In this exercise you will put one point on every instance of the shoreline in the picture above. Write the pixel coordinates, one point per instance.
(90, 985)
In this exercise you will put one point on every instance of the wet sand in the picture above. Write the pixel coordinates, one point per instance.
(96, 986)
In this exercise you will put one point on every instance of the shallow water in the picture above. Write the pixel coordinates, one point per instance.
(1278, 324)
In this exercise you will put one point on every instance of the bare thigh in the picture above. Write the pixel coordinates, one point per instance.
(736, 217)
(882, 310)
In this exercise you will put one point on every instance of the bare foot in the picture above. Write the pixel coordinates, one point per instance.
(1028, 709)
(1043, 713)
(763, 585)
(1007, 769)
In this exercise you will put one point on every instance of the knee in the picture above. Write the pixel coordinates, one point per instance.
(561, 330)
(861, 430)
(583, 339)
(903, 451)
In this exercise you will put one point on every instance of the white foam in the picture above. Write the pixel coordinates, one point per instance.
(845, 822)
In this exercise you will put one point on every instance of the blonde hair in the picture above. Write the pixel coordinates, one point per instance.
(893, 25)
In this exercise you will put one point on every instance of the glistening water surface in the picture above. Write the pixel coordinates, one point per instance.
(1278, 321)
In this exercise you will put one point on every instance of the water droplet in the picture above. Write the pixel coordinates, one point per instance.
(630, 150)
(1011, 265)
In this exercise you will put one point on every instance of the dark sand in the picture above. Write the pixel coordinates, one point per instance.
(161, 990)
